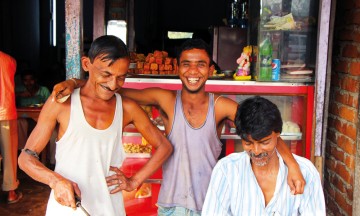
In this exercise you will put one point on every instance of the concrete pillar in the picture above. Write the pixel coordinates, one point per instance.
(73, 38)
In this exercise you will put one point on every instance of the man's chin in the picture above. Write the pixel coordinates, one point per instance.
(193, 89)
(261, 162)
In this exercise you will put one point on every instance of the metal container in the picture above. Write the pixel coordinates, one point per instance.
(228, 73)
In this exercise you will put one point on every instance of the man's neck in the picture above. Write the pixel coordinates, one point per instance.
(199, 97)
(270, 168)
(195, 107)
(266, 177)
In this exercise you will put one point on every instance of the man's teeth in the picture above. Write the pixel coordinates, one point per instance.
(193, 80)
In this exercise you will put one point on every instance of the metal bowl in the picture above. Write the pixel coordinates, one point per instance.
(228, 73)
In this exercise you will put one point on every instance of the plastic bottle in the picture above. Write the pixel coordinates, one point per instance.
(265, 55)
(243, 21)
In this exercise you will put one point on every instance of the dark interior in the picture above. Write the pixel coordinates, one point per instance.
(25, 29)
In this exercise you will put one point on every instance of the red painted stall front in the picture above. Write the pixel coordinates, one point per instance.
(295, 101)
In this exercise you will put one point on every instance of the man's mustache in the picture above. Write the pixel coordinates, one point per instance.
(115, 90)
(261, 155)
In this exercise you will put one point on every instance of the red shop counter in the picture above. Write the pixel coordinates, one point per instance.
(295, 102)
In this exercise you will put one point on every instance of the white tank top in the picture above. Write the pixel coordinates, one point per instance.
(84, 155)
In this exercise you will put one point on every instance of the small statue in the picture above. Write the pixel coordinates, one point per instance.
(244, 62)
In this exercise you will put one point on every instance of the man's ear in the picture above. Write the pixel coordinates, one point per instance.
(85, 62)
(211, 70)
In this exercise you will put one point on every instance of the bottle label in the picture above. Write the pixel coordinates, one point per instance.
(265, 61)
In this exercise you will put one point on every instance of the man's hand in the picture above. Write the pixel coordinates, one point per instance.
(64, 192)
(120, 181)
(296, 180)
(63, 90)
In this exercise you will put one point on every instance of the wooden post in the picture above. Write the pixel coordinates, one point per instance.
(99, 18)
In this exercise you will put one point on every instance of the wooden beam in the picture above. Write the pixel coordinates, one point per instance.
(99, 18)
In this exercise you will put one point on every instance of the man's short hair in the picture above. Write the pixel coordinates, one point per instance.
(108, 47)
(194, 44)
(257, 117)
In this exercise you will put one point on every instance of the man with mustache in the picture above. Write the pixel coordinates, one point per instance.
(89, 151)
(253, 182)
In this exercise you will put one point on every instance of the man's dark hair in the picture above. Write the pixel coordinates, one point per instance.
(194, 44)
(108, 47)
(257, 117)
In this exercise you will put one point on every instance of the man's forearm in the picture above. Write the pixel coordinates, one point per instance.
(157, 159)
(285, 153)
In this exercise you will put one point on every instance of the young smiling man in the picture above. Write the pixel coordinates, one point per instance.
(253, 182)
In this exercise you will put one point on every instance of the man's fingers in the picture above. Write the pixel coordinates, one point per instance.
(112, 168)
(62, 99)
(299, 187)
(292, 188)
(120, 185)
(77, 190)
(73, 204)
(115, 190)
(60, 94)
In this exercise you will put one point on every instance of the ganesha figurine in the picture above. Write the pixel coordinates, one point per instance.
(243, 71)
(244, 65)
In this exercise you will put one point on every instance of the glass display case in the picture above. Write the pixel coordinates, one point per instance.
(290, 27)
(294, 124)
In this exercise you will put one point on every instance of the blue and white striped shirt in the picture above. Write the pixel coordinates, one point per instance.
(234, 190)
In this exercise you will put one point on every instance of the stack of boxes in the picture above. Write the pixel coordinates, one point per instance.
(154, 63)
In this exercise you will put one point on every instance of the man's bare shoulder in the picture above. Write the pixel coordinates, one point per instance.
(221, 100)
(130, 106)
(54, 110)
(225, 108)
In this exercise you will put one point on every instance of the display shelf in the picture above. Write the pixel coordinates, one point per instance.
(294, 136)
(287, 31)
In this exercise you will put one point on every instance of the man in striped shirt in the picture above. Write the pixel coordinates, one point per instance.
(253, 182)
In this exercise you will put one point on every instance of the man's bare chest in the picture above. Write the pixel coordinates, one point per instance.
(196, 117)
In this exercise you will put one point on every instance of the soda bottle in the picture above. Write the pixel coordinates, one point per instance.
(265, 55)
